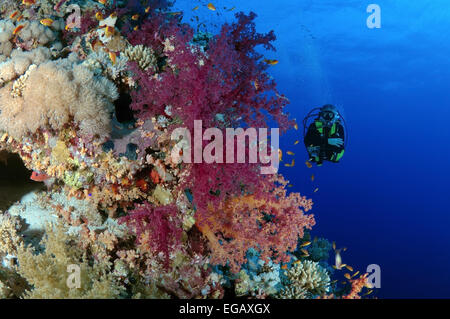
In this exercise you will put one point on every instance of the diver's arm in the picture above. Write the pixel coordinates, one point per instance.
(341, 131)
(313, 136)
(338, 139)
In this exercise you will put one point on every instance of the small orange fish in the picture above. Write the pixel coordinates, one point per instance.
(355, 274)
(256, 84)
(109, 31)
(284, 267)
(147, 10)
(17, 29)
(296, 126)
(28, 2)
(112, 57)
(347, 276)
(135, 17)
(307, 243)
(103, 1)
(39, 177)
(99, 16)
(211, 7)
(232, 9)
(308, 164)
(20, 18)
(14, 14)
(175, 13)
(368, 293)
(196, 8)
(312, 178)
(113, 15)
(290, 165)
(46, 22)
(271, 62)
(304, 251)
(136, 28)
(69, 26)
(296, 142)
(290, 153)
(349, 267)
(280, 155)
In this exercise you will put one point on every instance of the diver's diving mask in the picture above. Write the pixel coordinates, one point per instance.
(328, 115)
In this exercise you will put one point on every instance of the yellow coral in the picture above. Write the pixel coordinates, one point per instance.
(60, 153)
(47, 272)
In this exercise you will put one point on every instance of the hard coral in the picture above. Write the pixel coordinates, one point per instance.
(306, 276)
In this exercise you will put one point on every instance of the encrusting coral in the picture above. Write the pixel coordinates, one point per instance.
(90, 106)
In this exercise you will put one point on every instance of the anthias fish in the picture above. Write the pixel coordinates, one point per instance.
(271, 62)
(17, 29)
(28, 2)
(46, 22)
(14, 14)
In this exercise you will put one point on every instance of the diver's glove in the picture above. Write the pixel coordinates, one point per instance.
(313, 152)
(338, 142)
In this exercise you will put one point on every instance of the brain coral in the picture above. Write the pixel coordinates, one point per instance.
(54, 94)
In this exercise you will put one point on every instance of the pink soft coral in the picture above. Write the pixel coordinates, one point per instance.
(157, 229)
(232, 201)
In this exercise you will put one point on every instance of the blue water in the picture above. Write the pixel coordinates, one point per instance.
(387, 201)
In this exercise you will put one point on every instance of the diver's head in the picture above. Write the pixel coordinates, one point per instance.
(329, 113)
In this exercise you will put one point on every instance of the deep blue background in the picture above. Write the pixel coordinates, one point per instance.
(387, 200)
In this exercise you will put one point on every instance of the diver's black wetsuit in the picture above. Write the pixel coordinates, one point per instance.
(316, 139)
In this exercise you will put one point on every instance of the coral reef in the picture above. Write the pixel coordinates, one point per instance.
(89, 106)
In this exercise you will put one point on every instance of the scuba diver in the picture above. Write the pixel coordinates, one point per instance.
(325, 137)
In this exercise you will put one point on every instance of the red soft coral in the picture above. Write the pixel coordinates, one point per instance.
(157, 229)
(268, 221)
(227, 78)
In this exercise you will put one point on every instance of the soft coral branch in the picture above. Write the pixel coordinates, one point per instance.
(268, 221)
(157, 229)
